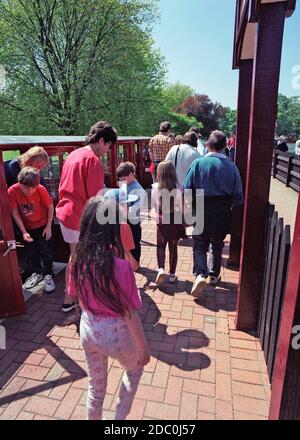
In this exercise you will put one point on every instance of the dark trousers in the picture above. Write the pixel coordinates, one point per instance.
(208, 264)
(39, 250)
(161, 252)
(137, 236)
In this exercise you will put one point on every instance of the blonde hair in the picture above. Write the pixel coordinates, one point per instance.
(32, 155)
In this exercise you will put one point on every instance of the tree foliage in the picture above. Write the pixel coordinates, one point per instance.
(288, 116)
(228, 121)
(206, 111)
(175, 94)
(70, 62)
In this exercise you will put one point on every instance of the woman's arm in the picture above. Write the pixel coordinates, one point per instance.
(137, 333)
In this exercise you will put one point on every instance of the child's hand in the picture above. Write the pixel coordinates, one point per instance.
(47, 233)
(27, 237)
(143, 357)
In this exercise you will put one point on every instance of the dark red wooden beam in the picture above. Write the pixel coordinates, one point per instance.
(262, 124)
(242, 142)
(285, 397)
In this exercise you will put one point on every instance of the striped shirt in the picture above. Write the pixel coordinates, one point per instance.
(159, 147)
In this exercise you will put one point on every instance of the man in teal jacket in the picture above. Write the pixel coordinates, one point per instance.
(220, 180)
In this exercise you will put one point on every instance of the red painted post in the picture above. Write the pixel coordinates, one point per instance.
(262, 124)
(242, 142)
(131, 152)
(285, 396)
(11, 294)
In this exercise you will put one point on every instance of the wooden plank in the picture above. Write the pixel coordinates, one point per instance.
(283, 158)
(274, 163)
(295, 174)
(281, 168)
(278, 297)
(266, 287)
(282, 179)
(271, 209)
(272, 286)
(295, 186)
(289, 169)
(285, 397)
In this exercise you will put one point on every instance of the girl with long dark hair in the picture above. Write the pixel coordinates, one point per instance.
(108, 296)
(167, 200)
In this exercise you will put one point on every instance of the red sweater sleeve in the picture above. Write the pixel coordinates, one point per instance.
(95, 177)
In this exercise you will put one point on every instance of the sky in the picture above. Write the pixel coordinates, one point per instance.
(196, 39)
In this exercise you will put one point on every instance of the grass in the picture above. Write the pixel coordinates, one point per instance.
(7, 155)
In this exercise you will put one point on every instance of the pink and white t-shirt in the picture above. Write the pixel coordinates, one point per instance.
(126, 283)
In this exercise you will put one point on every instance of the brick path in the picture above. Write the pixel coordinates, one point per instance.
(201, 368)
(285, 201)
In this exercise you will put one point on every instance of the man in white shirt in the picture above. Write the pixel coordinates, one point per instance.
(182, 156)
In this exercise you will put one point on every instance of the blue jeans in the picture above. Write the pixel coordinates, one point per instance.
(208, 264)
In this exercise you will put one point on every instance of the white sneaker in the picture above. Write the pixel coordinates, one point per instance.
(49, 284)
(160, 279)
(172, 278)
(33, 280)
(214, 280)
(198, 286)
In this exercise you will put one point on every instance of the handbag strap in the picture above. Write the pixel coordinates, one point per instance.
(176, 157)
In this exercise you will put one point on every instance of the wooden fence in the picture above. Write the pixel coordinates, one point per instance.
(277, 250)
(286, 168)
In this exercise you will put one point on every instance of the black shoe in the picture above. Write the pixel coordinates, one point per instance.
(68, 307)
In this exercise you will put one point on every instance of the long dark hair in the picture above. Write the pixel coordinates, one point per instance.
(93, 261)
(167, 179)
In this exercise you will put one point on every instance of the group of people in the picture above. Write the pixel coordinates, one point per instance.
(105, 254)
(192, 166)
(281, 145)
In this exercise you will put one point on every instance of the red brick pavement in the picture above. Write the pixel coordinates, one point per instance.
(201, 368)
(285, 201)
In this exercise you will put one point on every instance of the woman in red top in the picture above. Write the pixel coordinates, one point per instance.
(82, 178)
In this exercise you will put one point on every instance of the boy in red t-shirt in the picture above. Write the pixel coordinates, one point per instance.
(32, 210)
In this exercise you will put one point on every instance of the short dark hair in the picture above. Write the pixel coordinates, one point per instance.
(217, 140)
(190, 138)
(165, 127)
(195, 129)
(104, 130)
(124, 169)
(29, 176)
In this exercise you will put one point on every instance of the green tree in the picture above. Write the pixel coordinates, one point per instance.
(70, 62)
(288, 116)
(228, 121)
(175, 94)
(182, 123)
(206, 111)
